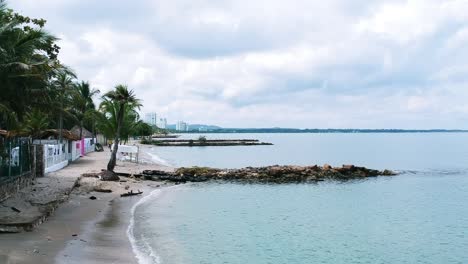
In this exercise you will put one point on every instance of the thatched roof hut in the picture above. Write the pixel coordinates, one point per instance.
(55, 133)
(85, 133)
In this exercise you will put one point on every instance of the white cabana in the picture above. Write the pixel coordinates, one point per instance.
(127, 153)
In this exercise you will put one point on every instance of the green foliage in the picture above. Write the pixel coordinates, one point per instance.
(108, 119)
(35, 123)
(202, 140)
(28, 64)
(119, 111)
(143, 129)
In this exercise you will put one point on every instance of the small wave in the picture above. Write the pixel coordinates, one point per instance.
(142, 258)
(155, 158)
(437, 172)
(150, 257)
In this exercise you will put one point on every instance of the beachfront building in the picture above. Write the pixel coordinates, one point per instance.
(88, 141)
(182, 126)
(162, 123)
(151, 119)
(58, 148)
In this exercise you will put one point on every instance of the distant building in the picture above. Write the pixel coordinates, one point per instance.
(162, 123)
(182, 126)
(151, 119)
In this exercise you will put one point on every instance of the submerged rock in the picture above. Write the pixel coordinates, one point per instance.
(268, 174)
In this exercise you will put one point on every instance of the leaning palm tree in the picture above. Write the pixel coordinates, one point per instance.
(124, 99)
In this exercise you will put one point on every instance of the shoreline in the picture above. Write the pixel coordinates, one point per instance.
(82, 230)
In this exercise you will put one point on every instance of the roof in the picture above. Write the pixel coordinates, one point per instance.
(76, 131)
(56, 133)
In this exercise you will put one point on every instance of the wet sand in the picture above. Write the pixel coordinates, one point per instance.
(83, 230)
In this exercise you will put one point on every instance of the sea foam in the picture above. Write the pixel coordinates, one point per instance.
(142, 257)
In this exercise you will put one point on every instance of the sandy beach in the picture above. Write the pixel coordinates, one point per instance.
(82, 230)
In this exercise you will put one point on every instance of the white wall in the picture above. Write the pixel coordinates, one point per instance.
(55, 158)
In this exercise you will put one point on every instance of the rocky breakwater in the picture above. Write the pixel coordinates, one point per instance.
(269, 174)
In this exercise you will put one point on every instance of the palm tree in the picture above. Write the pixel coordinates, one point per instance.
(123, 99)
(28, 57)
(35, 123)
(84, 108)
(63, 84)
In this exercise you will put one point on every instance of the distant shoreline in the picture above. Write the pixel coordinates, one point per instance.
(319, 131)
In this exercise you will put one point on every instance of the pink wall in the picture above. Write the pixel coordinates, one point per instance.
(82, 149)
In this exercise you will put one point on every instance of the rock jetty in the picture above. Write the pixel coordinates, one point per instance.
(205, 142)
(269, 174)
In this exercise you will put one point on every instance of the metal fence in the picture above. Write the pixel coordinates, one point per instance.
(14, 157)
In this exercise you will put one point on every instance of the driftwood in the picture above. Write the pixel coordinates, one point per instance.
(102, 190)
(131, 193)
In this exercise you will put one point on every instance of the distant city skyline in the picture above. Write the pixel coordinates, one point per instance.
(298, 63)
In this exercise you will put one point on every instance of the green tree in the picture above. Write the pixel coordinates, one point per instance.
(122, 99)
(83, 105)
(35, 123)
(143, 129)
(28, 61)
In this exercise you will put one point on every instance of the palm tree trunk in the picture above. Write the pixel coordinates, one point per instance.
(113, 159)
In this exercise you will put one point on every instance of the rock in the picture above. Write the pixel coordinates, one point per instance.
(36, 251)
(388, 173)
(109, 176)
(268, 174)
(92, 198)
(74, 235)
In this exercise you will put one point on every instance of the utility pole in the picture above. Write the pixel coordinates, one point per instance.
(61, 118)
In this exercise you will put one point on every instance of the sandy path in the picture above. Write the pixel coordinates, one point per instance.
(99, 225)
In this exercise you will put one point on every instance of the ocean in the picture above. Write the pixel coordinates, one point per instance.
(419, 216)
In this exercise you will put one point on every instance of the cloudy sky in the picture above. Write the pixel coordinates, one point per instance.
(265, 63)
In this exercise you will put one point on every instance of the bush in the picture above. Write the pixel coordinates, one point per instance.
(202, 140)
(146, 141)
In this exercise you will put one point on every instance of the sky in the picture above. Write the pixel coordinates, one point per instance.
(273, 63)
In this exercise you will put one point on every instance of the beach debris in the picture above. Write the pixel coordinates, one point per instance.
(131, 193)
(15, 209)
(92, 198)
(49, 238)
(127, 187)
(123, 174)
(74, 235)
(102, 190)
(90, 175)
(36, 251)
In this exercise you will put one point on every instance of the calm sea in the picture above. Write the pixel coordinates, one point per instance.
(420, 216)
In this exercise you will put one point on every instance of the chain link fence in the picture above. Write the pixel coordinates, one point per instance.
(14, 158)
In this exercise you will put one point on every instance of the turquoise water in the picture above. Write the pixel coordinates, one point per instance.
(420, 216)
(411, 151)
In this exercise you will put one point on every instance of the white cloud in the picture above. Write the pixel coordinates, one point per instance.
(295, 63)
